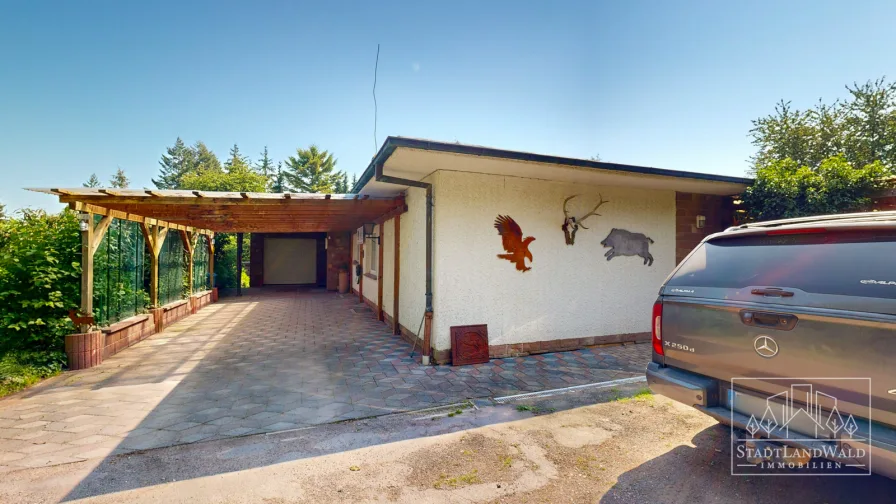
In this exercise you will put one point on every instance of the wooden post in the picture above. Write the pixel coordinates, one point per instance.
(361, 276)
(211, 261)
(91, 237)
(187, 238)
(155, 237)
(239, 264)
(396, 327)
(86, 268)
(380, 273)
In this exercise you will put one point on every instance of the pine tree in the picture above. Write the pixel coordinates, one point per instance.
(205, 160)
(93, 181)
(119, 180)
(312, 171)
(237, 161)
(178, 161)
(341, 186)
(265, 166)
(354, 181)
(278, 182)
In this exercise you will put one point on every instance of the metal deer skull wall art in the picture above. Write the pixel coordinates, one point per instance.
(571, 223)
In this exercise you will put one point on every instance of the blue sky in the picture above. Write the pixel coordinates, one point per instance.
(90, 86)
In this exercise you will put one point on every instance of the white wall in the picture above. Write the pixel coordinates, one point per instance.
(412, 288)
(571, 291)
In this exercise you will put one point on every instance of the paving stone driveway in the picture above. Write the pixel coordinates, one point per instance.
(264, 363)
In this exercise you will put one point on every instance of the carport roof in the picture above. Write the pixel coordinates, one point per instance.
(207, 211)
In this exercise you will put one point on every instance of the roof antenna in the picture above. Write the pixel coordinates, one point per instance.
(376, 144)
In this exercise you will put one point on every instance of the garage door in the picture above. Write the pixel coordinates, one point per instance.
(290, 261)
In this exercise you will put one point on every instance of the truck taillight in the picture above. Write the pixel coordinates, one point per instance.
(658, 327)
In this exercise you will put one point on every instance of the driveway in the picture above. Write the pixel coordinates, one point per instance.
(264, 363)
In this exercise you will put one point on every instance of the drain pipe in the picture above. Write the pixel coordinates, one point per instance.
(427, 316)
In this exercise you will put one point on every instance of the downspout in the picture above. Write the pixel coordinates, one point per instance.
(427, 316)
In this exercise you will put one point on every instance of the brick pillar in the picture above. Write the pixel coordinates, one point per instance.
(84, 350)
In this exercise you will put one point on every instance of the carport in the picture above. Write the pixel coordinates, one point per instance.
(287, 221)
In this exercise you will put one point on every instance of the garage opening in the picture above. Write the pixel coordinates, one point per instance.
(288, 259)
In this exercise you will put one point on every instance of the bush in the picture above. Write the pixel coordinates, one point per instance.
(40, 274)
(783, 189)
(22, 369)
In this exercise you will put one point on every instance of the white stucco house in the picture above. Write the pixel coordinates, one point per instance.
(569, 295)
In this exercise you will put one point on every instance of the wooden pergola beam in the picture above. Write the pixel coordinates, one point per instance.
(118, 198)
(116, 214)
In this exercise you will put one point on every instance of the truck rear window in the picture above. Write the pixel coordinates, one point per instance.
(850, 263)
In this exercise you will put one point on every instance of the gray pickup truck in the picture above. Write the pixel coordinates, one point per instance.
(786, 330)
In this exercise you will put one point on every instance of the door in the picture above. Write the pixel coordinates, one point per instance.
(290, 261)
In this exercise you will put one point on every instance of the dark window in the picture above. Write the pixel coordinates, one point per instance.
(852, 263)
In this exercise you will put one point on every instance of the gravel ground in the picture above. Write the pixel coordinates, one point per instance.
(587, 446)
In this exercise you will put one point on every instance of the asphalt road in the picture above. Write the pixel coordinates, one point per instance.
(586, 446)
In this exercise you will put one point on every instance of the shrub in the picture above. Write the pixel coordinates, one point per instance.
(783, 189)
(22, 369)
(39, 280)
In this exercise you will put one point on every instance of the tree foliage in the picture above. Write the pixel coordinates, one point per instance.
(266, 168)
(828, 159)
(119, 180)
(177, 162)
(93, 181)
(312, 170)
(39, 279)
(784, 189)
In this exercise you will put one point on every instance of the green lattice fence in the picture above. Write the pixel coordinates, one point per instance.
(172, 266)
(200, 264)
(119, 273)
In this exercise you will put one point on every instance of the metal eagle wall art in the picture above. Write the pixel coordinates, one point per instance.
(512, 238)
(571, 224)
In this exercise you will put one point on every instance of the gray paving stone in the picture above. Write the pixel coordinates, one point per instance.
(274, 361)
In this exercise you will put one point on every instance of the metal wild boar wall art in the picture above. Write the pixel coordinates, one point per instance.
(627, 243)
(571, 223)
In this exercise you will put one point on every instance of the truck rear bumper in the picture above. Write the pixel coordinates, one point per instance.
(702, 392)
(682, 386)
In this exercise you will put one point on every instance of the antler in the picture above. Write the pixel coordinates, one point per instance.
(565, 212)
(593, 211)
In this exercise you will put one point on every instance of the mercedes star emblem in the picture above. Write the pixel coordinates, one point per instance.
(765, 346)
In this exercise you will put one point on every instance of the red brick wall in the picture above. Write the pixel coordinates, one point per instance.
(175, 311)
(719, 213)
(339, 252)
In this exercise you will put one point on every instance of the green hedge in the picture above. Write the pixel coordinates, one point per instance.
(40, 273)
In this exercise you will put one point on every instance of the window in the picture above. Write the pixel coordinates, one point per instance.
(371, 254)
(849, 263)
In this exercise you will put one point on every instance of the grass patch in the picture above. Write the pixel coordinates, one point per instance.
(507, 462)
(536, 410)
(644, 394)
(462, 480)
(19, 370)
